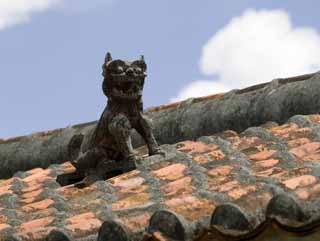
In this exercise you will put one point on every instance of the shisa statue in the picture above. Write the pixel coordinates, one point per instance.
(108, 147)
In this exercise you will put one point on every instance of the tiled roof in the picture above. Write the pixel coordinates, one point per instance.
(220, 187)
(237, 109)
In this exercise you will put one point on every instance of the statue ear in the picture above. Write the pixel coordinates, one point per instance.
(108, 57)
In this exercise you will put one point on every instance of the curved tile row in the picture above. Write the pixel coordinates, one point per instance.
(228, 221)
(238, 177)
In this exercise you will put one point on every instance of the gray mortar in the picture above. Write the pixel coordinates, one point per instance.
(303, 121)
(237, 110)
(89, 238)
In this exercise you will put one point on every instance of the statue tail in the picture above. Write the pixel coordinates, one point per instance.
(74, 146)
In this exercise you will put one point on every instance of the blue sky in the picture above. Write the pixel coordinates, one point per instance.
(51, 52)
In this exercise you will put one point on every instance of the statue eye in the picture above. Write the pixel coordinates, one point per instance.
(138, 70)
(119, 69)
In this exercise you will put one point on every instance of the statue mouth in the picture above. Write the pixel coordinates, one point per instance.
(123, 77)
(127, 86)
(128, 94)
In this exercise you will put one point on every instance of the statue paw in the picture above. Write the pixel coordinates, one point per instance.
(130, 163)
(88, 180)
(157, 151)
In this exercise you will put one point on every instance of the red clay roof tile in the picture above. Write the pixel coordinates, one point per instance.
(170, 173)
(244, 169)
(43, 204)
(42, 222)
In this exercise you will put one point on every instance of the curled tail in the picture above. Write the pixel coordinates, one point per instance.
(74, 146)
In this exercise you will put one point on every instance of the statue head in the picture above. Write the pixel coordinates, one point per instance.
(124, 79)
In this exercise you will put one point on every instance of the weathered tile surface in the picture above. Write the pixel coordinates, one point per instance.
(251, 170)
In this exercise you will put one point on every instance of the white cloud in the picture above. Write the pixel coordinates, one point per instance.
(14, 12)
(83, 6)
(256, 47)
(200, 88)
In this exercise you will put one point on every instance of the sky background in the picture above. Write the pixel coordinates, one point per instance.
(51, 52)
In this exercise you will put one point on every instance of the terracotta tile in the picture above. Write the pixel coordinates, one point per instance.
(179, 186)
(128, 184)
(316, 189)
(79, 218)
(4, 226)
(241, 191)
(3, 219)
(11, 139)
(281, 175)
(39, 176)
(313, 157)
(124, 176)
(246, 142)
(34, 171)
(234, 140)
(136, 222)
(226, 186)
(37, 205)
(215, 182)
(253, 150)
(195, 147)
(304, 131)
(40, 214)
(268, 163)
(216, 155)
(72, 191)
(284, 130)
(298, 142)
(171, 173)
(314, 118)
(300, 181)
(46, 133)
(38, 223)
(309, 149)
(262, 155)
(303, 193)
(191, 207)
(125, 193)
(67, 190)
(273, 171)
(220, 171)
(32, 186)
(201, 159)
(161, 164)
(84, 227)
(31, 194)
(163, 107)
(67, 167)
(208, 97)
(131, 201)
(8, 182)
(299, 171)
(5, 189)
(28, 200)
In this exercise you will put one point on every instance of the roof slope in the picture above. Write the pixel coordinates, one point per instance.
(219, 187)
